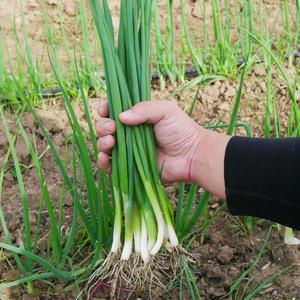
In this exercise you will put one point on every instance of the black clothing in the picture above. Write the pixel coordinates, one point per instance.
(262, 179)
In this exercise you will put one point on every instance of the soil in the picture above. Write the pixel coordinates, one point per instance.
(226, 250)
(65, 14)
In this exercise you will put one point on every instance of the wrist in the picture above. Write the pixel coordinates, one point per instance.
(207, 162)
(198, 155)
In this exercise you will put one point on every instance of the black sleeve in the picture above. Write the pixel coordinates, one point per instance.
(262, 179)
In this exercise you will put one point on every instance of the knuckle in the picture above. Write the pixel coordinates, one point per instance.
(100, 161)
(102, 158)
(105, 142)
(98, 127)
(105, 127)
(109, 125)
(102, 108)
(99, 147)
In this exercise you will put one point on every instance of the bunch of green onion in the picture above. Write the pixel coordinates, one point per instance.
(141, 209)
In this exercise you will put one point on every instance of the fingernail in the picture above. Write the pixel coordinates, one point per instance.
(127, 114)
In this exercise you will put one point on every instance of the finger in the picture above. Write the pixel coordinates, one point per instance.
(103, 110)
(106, 143)
(104, 162)
(105, 127)
(148, 112)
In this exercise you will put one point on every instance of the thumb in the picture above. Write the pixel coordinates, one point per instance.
(150, 112)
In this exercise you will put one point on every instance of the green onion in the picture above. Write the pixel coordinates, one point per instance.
(289, 237)
(141, 208)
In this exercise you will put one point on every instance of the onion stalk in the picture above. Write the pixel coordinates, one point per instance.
(289, 237)
(142, 209)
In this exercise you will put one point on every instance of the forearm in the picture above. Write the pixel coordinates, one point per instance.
(257, 177)
(262, 179)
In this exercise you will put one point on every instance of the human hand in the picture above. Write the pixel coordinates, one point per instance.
(187, 151)
(178, 137)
